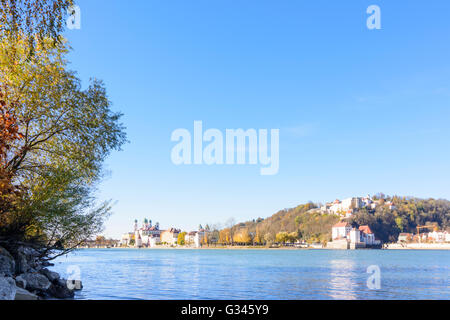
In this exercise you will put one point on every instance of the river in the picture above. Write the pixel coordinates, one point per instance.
(258, 274)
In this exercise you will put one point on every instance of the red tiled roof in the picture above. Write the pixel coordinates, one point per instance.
(365, 229)
(341, 224)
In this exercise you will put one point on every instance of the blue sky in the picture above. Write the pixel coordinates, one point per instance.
(359, 111)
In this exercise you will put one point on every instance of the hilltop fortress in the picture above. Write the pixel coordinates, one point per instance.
(346, 207)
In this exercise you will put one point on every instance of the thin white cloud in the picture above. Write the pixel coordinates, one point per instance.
(301, 131)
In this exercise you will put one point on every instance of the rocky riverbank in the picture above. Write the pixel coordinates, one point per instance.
(24, 277)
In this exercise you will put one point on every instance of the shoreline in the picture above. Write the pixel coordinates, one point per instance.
(391, 246)
(418, 246)
(25, 276)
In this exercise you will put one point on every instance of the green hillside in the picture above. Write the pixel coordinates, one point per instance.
(308, 223)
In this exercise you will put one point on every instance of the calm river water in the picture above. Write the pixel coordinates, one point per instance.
(257, 274)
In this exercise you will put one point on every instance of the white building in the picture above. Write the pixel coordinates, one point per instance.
(189, 237)
(195, 238)
(341, 230)
(144, 236)
(361, 237)
(355, 236)
(170, 236)
(390, 205)
(154, 241)
(367, 201)
(367, 236)
(438, 236)
(126, 238)
(199, 238)
(345, 206)
(404, 237)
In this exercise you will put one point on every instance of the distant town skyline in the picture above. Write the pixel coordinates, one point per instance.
(359, 110)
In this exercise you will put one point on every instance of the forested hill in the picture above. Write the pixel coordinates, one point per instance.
(308, 223)
(407, 214)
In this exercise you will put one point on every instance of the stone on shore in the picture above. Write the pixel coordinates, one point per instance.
(60, 289)
(47, 264)
(23, 276)
(7, 288)
(7, 264)
(26, 259)
(22, 294)
(35, 281)
(52, 276)
(21, 282)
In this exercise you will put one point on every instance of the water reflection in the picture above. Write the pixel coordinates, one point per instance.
(342, 282)
(257, 274)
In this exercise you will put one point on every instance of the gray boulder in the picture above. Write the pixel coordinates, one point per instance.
(64, 289)
(26, 259)
(60, 290)
(7, 288)
(22, 294)
(21, 282)
(7, 263)
(35, 281)
(52, 276)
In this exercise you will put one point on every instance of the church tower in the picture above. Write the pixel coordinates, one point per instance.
(145, 225)
(136, 233)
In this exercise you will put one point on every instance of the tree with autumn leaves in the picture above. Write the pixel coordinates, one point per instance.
(54, 134)
(9, 193)
(36, 19)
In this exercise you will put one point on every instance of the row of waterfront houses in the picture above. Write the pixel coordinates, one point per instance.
(433, 237)
(344, 236)
(149, 235)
